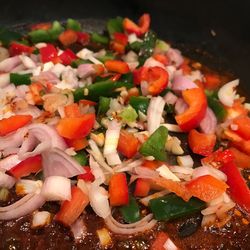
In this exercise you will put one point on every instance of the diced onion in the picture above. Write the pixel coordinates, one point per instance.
(9, 162)
(146, 199)
(79, 230)
(24, 187)
(6, 181)
(41, 219)
(56, 188)
(166, 173)
(227, 93)
(172, 127)
(185, 161)
(104, 237)
(207, 170)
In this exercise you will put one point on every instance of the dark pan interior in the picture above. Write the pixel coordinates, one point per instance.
(187, 24)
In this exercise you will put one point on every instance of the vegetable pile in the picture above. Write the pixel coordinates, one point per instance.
(91, 119)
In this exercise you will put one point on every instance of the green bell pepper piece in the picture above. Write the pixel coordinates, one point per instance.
(78, 62)
(147, 47)
(131, 212)
(139, 103)
(55, 30)
(108, 56)
(115, 25)
(97, 38)
(128, 114)
(103, 105)
(173, 207)
(155, 144)
(94, 91)
(73, 25)
(7, 36)
(136, 46)
(214, 103)
(20, 79)
(37, 36)
(81, 158)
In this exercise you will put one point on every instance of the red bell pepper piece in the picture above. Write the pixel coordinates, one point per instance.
(161, 58)
(68, 37)
(218, 158)
(243, 145)
(87, 102)
(67, 57)
(18, 48)
(88, 176)
(26, 167)
(120, 38)
(156, 77)
(241, 159)
(243, 126)
(128, 144)
(8, 125)
(76, 127)
(77, 144)
(151, 164)
(48, 53)
(197, 101)
(41, 26)
(185, 67)
(142, 187)
(200, 143)
(83, 38)
(144, 23)
(71, 210)
(117, 66)
(206, 187)
(212, 81)
(117, 47)
(72, 110)
(238, 188)
(118, 190)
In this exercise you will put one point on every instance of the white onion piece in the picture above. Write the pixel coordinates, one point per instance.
(46, 135)
(24, 187)
(209, 123)
(206, 170)
(56, 188)
(57, 162)
(46, 76)
(111, 141)
(169, 245)
(58, 69)
(96, 153)
(128, 166)
(175, 56)
(27, 62)
(137, 229)
(181, 170)
(151, 62)
(172, 127)
(180, 106)
(130, 57)
(6, 181)
(41, 219)
(31, 110)
(98, 199)
(34, 202)
(85, 70)
(166, 173)
(170, 98)
(4, 79)
(18, 69)
(9, 63)
(96, 170)
(145, 200)
(181, 83)
(14, 139)
(154, 113)
(146, 172)
(79, 230)
(9, 162)
(144, 88)
(227, 93)
(185, 161)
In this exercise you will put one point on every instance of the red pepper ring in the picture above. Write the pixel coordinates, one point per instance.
(197, 101)
(142, 28)
(156, 77)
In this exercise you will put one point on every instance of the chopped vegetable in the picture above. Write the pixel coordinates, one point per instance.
(172, 207)
(88, 176)
(118, 190)
(197, 101)
(142, 187)
(128, 114)
(202, 144)
(206, 187)
(103, 106)
(26, 167)
(97, 38)
(115, 25)
(16, 48)
(117, 66)
(11, 124)
(155, 144)
(241, 159)
(73, 25)
(81, 158)
(71, 210)
(131, 211)
(104, 237)
(20, 79)
(139, 103)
